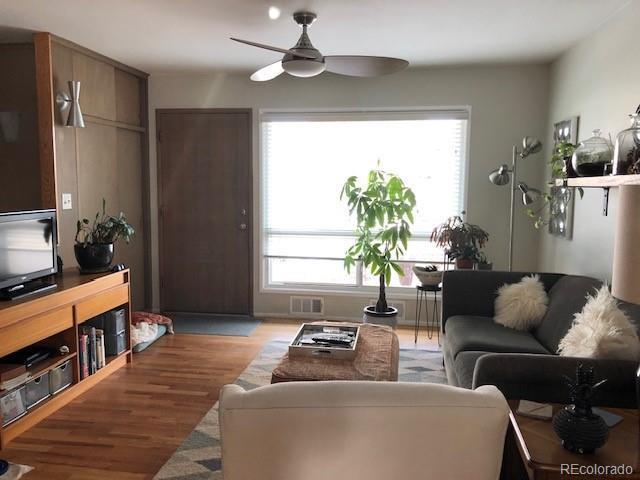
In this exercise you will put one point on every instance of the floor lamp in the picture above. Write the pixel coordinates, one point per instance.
(501, 176)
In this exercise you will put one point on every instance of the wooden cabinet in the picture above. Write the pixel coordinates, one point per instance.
(108, 159)
(98, 85)
(52, 320)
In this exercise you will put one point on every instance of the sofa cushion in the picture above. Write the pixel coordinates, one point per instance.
(601, 330)
(472, 333)
(567, 297)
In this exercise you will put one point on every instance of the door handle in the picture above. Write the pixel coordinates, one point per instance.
(243, 226)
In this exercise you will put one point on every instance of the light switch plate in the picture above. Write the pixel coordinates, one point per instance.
(67, 204)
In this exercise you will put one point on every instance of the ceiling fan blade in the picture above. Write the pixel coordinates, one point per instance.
(269, 72)
(363, 66)
(275, 49)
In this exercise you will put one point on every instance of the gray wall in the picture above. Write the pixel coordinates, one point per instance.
(507, 103)
(597, 79)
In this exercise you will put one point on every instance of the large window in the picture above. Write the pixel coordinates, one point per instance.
(306, 157)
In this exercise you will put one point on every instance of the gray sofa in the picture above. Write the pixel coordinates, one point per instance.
(524, 365)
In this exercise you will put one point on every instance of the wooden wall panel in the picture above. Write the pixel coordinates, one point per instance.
(98, 86)
(66, 166)
(97, 169)
(106, 159)
(127, 98)
(20, 186)
(129, 148)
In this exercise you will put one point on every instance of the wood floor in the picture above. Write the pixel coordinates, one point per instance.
(127, 426)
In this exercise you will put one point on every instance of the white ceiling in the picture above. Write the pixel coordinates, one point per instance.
(192, 35)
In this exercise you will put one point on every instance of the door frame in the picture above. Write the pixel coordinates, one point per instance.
(168, 111)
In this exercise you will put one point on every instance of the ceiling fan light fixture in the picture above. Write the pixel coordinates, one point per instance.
(303, 68)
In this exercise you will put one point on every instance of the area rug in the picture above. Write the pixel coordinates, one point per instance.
(198, 458)
(211, 324)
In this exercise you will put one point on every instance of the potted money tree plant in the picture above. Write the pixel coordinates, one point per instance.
(94, 247)
(383, 207)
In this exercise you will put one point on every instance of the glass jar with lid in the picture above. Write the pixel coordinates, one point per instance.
(592, 155)
(626, 157)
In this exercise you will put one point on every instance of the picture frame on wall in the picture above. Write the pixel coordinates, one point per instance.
(562, 198)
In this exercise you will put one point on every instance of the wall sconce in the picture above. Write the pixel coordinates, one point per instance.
(71, 101)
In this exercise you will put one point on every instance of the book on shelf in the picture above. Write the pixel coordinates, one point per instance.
(101, 359)
(83, 353)
(91, 348)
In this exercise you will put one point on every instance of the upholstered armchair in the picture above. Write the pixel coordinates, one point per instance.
(362, 431)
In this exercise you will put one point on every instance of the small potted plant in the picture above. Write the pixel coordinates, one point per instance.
(384, 213)
(462, 241)
(94, 240)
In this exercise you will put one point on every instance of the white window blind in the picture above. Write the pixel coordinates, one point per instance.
(306, 157)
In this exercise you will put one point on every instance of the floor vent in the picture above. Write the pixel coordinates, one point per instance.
(400, 305)
(307, 306)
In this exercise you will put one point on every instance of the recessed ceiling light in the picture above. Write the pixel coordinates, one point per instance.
(274, 13)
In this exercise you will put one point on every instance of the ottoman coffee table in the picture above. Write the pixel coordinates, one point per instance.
(376, 359)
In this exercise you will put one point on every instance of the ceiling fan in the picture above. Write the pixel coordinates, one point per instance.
(304, 60)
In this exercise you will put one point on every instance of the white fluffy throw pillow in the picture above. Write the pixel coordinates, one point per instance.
(521, 305)
(601, 330)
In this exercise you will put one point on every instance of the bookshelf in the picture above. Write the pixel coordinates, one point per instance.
(54, 319)
(608, 181)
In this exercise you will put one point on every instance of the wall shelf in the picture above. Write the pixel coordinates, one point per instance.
(607, 181)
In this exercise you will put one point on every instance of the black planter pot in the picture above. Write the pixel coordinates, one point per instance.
(381, 318)
(94, 256)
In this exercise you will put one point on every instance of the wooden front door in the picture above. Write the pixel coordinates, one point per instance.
(204, 191)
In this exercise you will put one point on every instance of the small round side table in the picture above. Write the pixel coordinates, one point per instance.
(433, 320)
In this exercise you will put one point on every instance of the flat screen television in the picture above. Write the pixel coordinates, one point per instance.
(27, 251)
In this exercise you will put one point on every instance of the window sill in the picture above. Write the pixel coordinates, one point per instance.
(392, 293)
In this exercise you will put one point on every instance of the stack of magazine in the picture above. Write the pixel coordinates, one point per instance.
(12, 375)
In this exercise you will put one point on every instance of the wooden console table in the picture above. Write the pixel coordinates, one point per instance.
(52, 320)
(534, 452)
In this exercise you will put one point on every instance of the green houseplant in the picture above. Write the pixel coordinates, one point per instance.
(384, 213)
(560, 164)
(462, 241)
(94, 247)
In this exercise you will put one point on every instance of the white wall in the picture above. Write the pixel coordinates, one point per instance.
(507, 103)
(597, 79)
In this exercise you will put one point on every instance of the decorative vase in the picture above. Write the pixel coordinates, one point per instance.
(591, 156)
(388, 318)
(484, 266)
(464, 263)
(580, 432)
(94, 256)
(626, 156)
